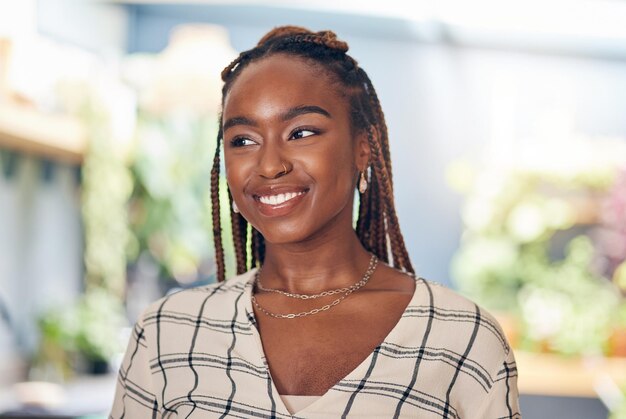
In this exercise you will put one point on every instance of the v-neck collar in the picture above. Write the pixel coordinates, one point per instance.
(358, 373)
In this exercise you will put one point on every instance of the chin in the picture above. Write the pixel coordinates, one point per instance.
(284, 235)
(305, 227)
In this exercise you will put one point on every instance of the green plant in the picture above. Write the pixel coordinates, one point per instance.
(532, 247)
(567, 308)
(170, 216)
(106, 187)
(87, 331)
(89, 328)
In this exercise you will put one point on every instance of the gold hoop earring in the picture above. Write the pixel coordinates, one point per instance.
(362, 182)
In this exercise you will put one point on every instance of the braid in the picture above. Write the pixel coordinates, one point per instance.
(388, 215)
(363, 223)
(381, 125)
(281, 31)
(299, 34)
(379, 241)
(215, 211)
(253, 252)
(239, 227)
(380, 230)
(377, 225)
(258, 247)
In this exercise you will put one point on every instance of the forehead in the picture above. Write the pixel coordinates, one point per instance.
(279, 82)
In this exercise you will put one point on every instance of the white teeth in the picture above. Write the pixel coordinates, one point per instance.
(279, 199)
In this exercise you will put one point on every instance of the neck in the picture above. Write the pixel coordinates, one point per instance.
(326, 262)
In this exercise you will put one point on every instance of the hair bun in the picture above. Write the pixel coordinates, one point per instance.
(330, 40)
(300, 34)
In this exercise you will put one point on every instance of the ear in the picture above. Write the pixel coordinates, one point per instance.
(362, 151)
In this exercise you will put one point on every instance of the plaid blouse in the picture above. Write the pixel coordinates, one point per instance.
(198, 354)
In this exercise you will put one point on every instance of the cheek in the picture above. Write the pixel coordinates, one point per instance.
(235, 183)
(331, 166)
(341, 159)
(236, 174)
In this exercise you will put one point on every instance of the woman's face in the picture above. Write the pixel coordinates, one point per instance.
(290, 155)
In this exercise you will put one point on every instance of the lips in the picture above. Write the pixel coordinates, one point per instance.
(278, 200)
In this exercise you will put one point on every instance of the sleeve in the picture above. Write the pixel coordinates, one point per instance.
(502, 401)
(134, 394)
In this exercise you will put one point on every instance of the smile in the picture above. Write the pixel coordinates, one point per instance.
(279, 199)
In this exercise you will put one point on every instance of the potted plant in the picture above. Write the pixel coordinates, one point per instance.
(81, 338)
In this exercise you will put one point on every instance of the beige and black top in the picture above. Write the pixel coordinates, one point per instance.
(198, 354)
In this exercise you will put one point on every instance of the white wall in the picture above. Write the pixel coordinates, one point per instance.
(92, 25)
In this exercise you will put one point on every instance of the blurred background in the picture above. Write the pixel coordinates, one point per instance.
(508, 137)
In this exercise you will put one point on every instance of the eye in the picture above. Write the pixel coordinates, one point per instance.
(302, 133)
(241, 142)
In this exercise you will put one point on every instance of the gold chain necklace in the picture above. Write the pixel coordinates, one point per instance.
(353, 287)
(348, 290)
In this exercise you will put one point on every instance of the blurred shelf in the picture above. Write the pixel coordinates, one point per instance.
(554, 375)
(55, 137)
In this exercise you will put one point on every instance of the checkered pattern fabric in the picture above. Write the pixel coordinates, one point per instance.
(198, 354)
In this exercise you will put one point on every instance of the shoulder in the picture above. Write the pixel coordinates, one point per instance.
(211, 301)
(459, 319)
(468, 338)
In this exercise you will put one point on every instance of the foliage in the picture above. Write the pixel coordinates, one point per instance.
(555, 304)
(88, 330)
(106, 186)
(170, 214)
(531, 246)
(170, 205)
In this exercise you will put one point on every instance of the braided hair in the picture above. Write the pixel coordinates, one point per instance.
(377, 225)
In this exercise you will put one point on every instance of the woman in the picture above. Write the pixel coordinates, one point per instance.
(323, 320)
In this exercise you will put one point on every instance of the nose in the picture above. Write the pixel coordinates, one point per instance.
(272, 163)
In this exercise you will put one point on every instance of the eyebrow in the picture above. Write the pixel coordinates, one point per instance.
(290, 114)
(238, 120)
(304, 109)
